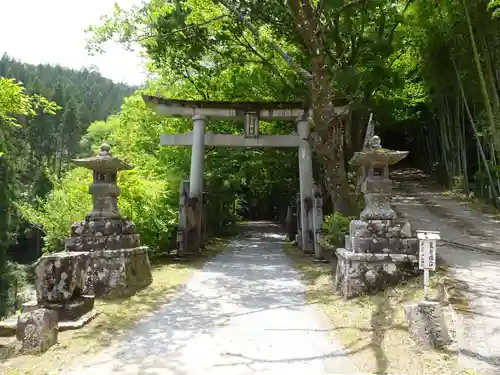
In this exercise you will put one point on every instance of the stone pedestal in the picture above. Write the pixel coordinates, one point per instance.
(61, 284)
(379, 250)
(60, 276)
(120, 273)
(102, 233)
(377, 253)
(381, 236)
(427, 325)
(37, 330)
(359, 273)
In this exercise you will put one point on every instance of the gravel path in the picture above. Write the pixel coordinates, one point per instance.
(479, 336)
(244, 313)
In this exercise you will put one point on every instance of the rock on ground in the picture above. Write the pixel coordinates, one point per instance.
(426, 324)
(37, 330)
(245, 312)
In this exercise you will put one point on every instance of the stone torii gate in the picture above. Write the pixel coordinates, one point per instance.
(190, 237)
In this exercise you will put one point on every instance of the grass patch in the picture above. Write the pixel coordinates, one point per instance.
(116, 317)
(372, 328)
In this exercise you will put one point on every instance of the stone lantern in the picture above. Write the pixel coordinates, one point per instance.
(377, 186)
(118, 265)
(103, 256)
(379, 250)
(104, 189)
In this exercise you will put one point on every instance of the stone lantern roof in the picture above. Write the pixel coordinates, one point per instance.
(376, 156)
(103, 162)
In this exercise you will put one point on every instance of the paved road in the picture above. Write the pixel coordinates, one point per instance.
(244, 313)
(479, 336)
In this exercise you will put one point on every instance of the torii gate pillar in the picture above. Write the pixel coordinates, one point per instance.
(306, 185)
(194, 234)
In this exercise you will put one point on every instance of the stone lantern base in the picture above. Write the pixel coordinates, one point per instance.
(377, 254)
(60, 285)
(119, 273)
(360, 273)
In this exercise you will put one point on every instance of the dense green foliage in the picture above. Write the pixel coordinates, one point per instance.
(336, 227)
(427, 69)
(235, 179)
(44, 111)
(13, 102)
(84, 96)
(43, 136)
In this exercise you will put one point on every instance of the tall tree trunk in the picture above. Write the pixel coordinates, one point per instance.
(474, 129)
(495, 144)
(463, 145)
(330, 144)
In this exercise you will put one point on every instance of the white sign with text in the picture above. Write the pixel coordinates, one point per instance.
(427, 254)
(427, 246)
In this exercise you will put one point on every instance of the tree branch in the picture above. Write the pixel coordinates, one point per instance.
(231, 57)
(188, 77)
(265, 61)
(141, 38)
(273, 45)
(345, 7)
(203, 23)
(396, 24)
(320, 7)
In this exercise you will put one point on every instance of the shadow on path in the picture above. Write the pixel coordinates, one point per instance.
(427, 207)
(245, 312)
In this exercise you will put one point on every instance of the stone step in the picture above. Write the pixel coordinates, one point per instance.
(8, 327)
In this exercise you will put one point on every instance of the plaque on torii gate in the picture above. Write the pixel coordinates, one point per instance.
(250, 113)
(251, 125)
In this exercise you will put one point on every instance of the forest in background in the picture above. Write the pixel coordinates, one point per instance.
(428, 70)
(39, 148)
(44, 112)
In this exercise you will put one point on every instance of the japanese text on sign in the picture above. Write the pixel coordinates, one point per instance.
(427, 253)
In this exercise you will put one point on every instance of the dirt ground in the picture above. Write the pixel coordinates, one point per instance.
(372, 328)
(470, 247)
(115, 318)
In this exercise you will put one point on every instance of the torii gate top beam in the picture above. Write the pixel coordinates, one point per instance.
(234, 110)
